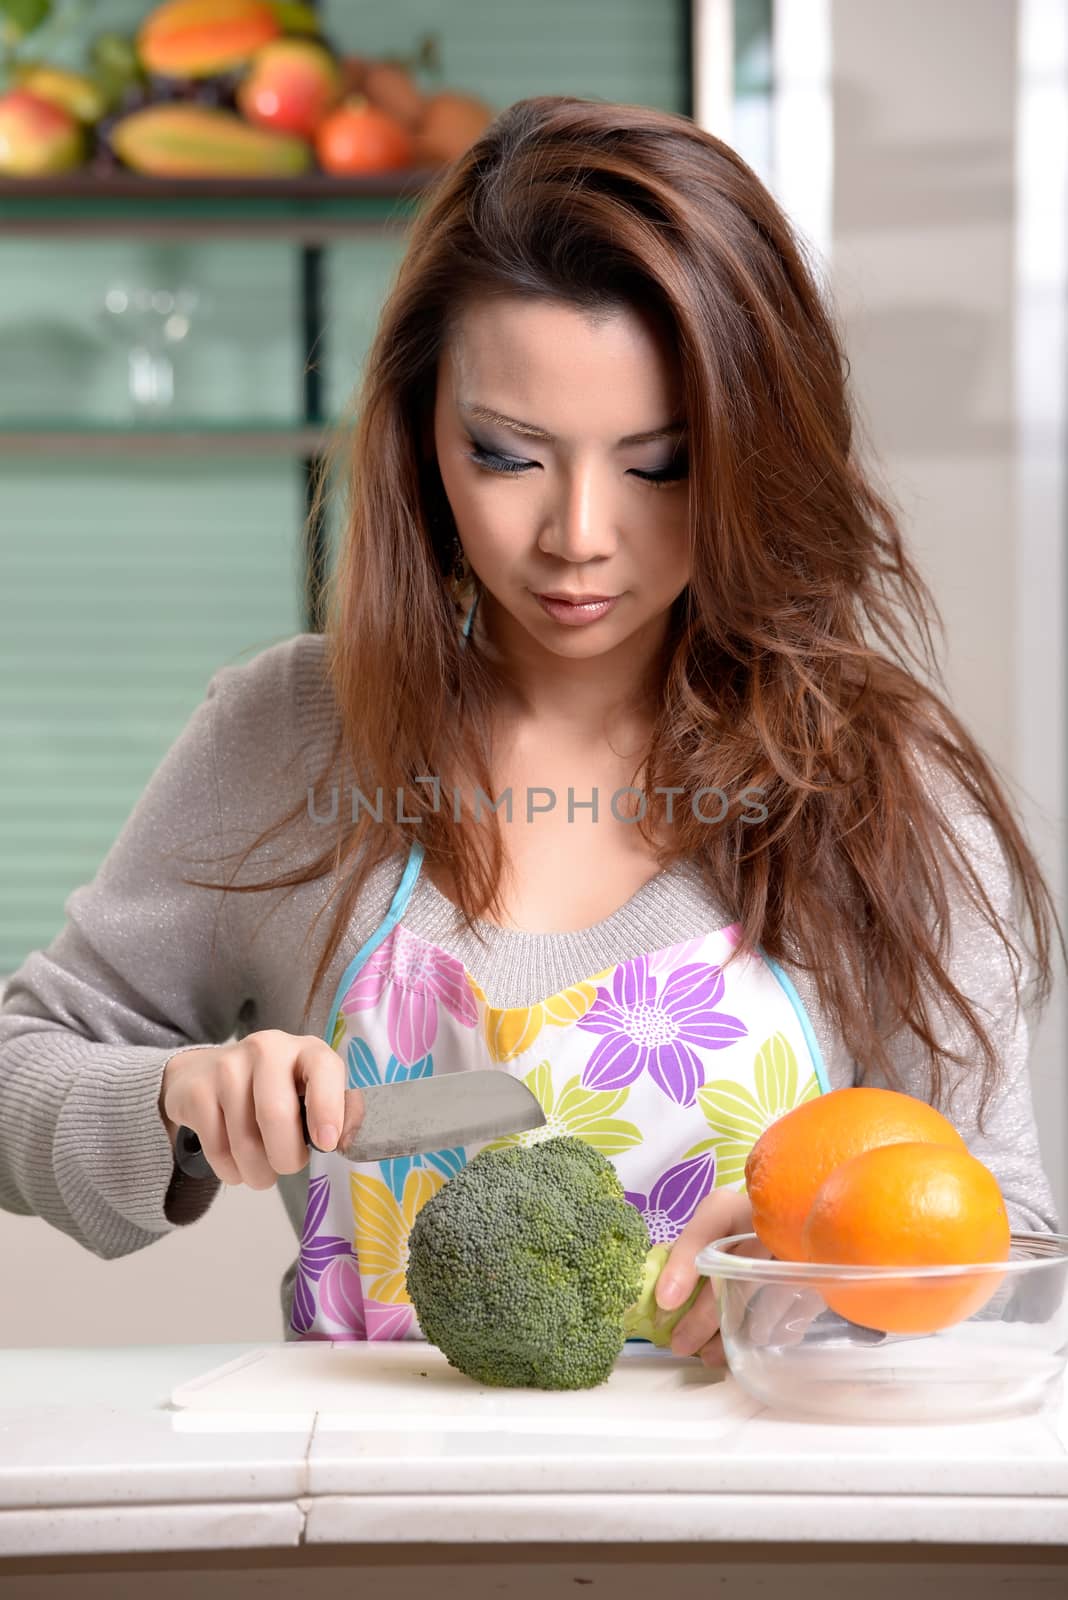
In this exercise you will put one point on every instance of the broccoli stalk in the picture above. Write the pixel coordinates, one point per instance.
(530, 1268)
(645, 1319)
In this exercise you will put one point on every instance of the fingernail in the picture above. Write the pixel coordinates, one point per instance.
(669, 1292)
(327, 1137)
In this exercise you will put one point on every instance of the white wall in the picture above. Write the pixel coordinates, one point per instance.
(947, 262)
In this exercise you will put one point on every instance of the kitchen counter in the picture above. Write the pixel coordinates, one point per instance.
(103, 1477)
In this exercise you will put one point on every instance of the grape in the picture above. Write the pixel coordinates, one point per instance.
(134, 98)
(104, 161)
(163, 89)
(213, 92)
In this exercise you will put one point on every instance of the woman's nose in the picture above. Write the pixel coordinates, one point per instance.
(581, 524)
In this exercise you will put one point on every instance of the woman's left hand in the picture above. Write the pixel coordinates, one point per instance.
(718, 1216)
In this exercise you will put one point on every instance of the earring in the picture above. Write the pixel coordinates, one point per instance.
(461, 572)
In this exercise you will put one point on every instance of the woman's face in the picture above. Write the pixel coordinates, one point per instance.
(574, 513)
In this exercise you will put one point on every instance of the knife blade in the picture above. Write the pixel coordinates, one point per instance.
(402, 1119)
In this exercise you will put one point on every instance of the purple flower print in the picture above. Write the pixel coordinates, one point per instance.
(649, 1031)
(675, 1196)
(317, 1251)
(419, 977)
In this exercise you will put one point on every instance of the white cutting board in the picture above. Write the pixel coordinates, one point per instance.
(407, 1384)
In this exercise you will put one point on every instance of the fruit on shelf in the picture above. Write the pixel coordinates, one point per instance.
(293, 17)
(290, 87)
(199, 38)
(450, 125)
(189, 141)
(37, 137)
(357, 137)
(389, 86)
(353, 70)
(115, 67)
(73, 91)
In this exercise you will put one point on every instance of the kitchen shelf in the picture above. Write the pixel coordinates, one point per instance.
(313, 209)
(244, 438)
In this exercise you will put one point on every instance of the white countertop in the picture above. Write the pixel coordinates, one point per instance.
(94, 1458)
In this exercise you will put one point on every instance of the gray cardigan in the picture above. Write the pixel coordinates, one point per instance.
(88, 1024)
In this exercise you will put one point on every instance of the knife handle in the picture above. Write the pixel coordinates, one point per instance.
(191, 1159)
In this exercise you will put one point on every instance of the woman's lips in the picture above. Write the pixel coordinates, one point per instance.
(575, 615)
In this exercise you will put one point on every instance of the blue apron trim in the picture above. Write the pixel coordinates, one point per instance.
(802, 1017)
(396, 910)
(398, 905)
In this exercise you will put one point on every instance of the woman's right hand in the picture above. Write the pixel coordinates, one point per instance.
(242, 1102)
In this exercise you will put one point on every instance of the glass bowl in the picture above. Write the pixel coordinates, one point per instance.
(791, 1350)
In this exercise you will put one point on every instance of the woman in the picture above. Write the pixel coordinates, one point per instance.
(610, 552)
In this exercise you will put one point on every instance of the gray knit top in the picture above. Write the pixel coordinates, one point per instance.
(88, 1024)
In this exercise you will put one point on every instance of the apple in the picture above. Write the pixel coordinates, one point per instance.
(291, 86)
(37, 136)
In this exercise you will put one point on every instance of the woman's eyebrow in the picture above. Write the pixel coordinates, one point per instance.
(487, 414)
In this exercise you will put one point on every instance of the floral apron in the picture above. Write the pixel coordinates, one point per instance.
(668, 1065)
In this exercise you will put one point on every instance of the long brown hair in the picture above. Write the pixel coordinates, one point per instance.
(787, 659)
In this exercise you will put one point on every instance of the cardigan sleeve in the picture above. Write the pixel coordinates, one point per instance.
(88, 1024)
(981, 969)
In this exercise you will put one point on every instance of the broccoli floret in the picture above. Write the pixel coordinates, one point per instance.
(530, 1268)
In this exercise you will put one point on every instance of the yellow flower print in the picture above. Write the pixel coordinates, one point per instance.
(381, 1228)
(581, 1113)
(511, 1030)
(738, 1118)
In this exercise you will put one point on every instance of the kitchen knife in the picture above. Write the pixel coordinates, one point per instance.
(417, 1114)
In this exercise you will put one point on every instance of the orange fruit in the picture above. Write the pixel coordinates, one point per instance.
(909, 1205)
(794, 1155)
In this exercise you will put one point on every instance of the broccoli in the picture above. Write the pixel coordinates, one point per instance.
(530, 1268)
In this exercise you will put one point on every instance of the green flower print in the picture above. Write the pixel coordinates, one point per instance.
(738, 1118)
(583, 1113)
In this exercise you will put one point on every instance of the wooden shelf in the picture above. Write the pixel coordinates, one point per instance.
(312, 208)
(298, 441)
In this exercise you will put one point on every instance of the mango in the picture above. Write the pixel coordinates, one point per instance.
(73, 91)
(180, 140)
(37, 137)
(200, 38)
(290, 87)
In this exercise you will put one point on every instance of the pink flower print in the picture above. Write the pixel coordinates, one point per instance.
(675, 1196)
(419, 977)
(387, 1321)
(317, 1251)
(676, 955)
(341, 1297)
(644, 1030)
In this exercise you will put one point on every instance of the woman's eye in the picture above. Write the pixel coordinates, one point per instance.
(495, 463)
(673, 474)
